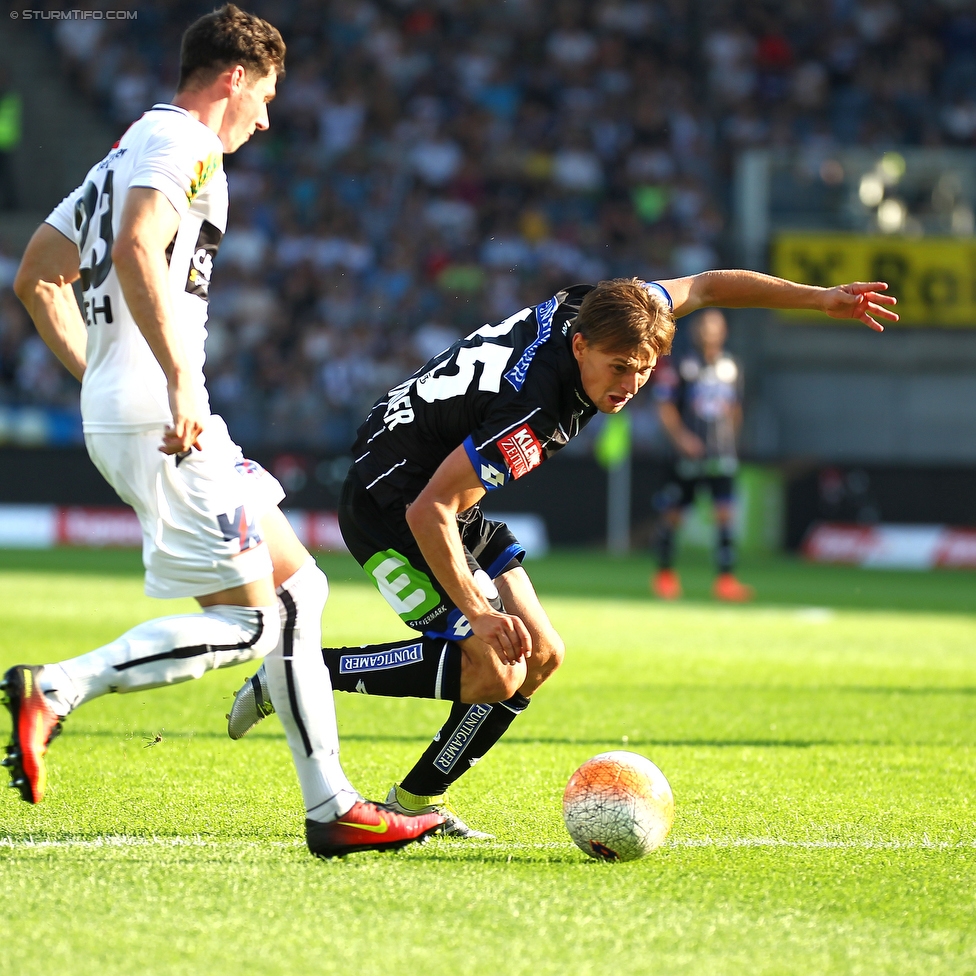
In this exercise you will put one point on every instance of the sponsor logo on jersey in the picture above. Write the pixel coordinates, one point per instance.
(490, 475)
(237, 527)
(543, 314)
(448, 756)
(248, 467)
(521, 450)
(201, 263)
(112, 156)
(203, 169)
(395, 657)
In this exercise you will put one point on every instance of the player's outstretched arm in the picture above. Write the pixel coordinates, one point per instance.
(432, 518)
(149, 222)
(43, 284)
(749, 289)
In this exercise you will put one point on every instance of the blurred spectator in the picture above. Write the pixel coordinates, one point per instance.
(434, 165)
(10, 134)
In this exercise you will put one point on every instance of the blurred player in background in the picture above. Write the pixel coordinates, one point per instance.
(141, 233)
(699, 401)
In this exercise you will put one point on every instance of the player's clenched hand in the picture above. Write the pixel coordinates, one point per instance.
(861, 300)
(503, 632)
(187, 421)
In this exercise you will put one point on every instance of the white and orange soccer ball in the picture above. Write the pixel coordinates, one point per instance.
(618, 806)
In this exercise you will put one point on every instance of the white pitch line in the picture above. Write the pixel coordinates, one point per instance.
(924, 843)
(114, 840)
(121, 841)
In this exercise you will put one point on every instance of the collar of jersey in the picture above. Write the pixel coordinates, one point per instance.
(169, 107)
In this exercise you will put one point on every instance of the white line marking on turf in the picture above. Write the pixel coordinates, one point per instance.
(126, 841)
(923, 843)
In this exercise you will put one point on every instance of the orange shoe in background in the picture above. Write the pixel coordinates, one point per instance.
(728, 588)
(666, 584)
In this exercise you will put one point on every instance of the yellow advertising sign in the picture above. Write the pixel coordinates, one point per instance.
(933, 278)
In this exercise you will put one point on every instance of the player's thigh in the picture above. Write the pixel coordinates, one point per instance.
(288, 555)
(200, 513)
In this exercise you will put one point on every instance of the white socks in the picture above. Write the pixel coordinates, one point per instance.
(172, 649)
(163, 651)
(301, 693)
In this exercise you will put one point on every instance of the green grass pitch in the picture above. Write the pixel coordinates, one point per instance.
(821, 744)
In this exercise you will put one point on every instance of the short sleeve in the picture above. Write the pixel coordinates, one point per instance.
(656, 286)
(179, 163)
(509, 443)
(62, 217)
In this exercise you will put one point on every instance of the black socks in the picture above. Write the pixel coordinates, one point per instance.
(469, 732)
(664, 545)
(725, 550)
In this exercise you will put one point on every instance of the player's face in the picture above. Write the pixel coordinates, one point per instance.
(711, 334)
(611, 378)
(247, 107)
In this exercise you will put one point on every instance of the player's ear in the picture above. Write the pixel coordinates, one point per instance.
(579, 344)
(238, 78)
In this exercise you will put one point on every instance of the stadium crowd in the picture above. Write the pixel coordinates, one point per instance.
(435, 165)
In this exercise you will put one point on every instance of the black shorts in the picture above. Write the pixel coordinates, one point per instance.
(680, 492)
(384, 546)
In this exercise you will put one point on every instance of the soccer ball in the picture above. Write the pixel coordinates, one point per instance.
(618, 806)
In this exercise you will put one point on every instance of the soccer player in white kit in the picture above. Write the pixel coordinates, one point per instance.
(141, 233)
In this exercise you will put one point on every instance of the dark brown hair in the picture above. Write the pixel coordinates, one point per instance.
(623, 314)
(224, 38)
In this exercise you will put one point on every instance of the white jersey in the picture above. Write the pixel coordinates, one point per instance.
(124, 388)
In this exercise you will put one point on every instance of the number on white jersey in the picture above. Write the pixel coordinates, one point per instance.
(93, 203)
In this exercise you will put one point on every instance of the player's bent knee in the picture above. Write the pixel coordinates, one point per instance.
(548, 654)
(258, 630)
(481, 683)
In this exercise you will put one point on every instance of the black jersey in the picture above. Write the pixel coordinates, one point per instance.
(705, 395)
(511, 393)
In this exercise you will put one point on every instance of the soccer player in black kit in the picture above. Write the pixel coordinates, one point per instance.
(482, 413)
(699, 401)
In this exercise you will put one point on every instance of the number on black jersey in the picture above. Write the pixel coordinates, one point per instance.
(456, 374)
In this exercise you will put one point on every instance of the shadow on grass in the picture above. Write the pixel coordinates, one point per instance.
(514, 740)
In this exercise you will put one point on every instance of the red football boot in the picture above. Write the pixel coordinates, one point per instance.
(728, 588)
(34, 724)
(368, 827)
(666, 584)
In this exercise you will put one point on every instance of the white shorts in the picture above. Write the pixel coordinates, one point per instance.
(199, 513)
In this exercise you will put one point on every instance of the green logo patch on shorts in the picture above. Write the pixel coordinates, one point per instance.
(409, 591)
